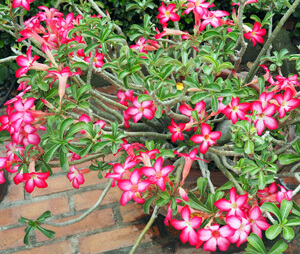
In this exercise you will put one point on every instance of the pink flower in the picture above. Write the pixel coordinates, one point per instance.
(23, 3)
(75, 177)
(28, 63)
(84, 118)
(12, 147)
(268, 194)
(256, 35)
(23, 113)
(214, 236)
(199, 7)
(283, 194)
(167, 13)
(158, 174)
(132, 188)
(119, 169)
(213, 18)
(35, 179)
(289, 82)
(286, 102)
(235, 111)
(247, 2)
(141, 109)
(176, 131)
(97, 61)
(207, 138)
(2, 178)
(242, 229)
(188, 226)
(187, 110)
(257, 221)
(123, 96)
(263, 117)
(234, 206)
(189, 158)
(146, 156)
(63, 76)
(264, 98)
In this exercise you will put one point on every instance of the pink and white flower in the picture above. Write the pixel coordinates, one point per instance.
(75, 177)
(207, 138)
(158, 174)
(141, 109)
(188, 226)
(264, 117)
(35, 179)
(167, 13)
(214, 236)
(132, 188)
(234, 205)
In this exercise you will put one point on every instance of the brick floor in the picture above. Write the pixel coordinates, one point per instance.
(110, 229)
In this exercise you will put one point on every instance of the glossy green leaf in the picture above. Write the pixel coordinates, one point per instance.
(201, 183)
(285, 208)
(249, 147)
(148, 203)
(49, 154)
(288, 233)
(272, 208)
(279, 247)
(46, 232)
(257, 243)
(286, 158)
(273, 231)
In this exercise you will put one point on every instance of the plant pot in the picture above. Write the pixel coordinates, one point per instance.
(3, 187)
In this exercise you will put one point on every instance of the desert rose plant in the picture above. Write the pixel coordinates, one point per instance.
(180, 98)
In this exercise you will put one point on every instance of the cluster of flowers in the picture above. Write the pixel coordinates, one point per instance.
(265, 108)
(241, 218)
(138, 110)
(22, 122)
(242, 213)
(203, 17)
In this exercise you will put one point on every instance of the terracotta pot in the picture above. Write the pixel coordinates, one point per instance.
(3, 187)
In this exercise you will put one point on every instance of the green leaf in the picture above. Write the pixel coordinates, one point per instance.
(257, 243)
(83, 89)
(162, 202)
(261, 180)
(63, 160)
(201, 183)
(80, 65)
(293, 223)
(272, 208)
(75, 128)
(296, 146)
(273, 231)
(249, 147)
(46, 232)
(49, 154)
(26, 237)
(214, 103)
(91, 47)
(148, 203)
(44, 216)
(64, 125)
(285, 208)
(196, 204)
(199, 97)
(261, 84)
(100, 145)
(279, 247)
(144, 97)
(288, 233)
(286, 158)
